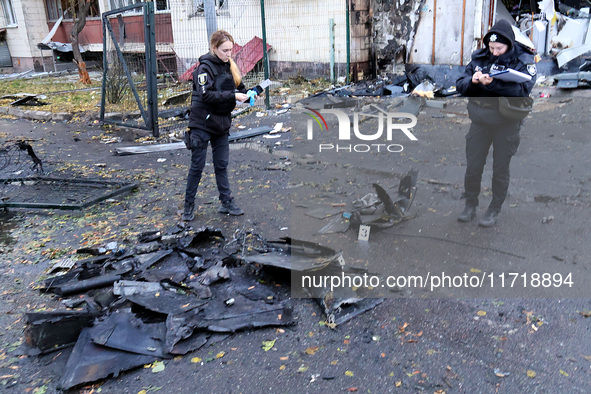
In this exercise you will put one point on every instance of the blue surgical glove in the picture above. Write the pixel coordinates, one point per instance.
(252, 95)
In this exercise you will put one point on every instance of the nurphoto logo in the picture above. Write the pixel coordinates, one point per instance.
(393, 125)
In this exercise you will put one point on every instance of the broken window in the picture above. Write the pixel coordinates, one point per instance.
(9, 15)
(57, 8)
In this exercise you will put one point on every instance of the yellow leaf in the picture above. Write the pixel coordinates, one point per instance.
(349, 373)
(398, 384)
(195, 360)
(531, 373)
(563, 373)
(220, 355)
(312, 349)
(268, 345)
(142, 392)
(481, 313)
(334, 362)
(282, 368)
(475, 270)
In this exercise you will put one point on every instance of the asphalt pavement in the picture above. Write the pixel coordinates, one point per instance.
(530, 335)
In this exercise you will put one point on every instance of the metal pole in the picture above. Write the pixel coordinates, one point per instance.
(151, 68)
(331, 45)
(265, 54)
(105, 69)
(211, 21)
(348, 29)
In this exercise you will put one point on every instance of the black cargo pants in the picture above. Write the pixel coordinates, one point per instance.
(504, 139)
(220, 149)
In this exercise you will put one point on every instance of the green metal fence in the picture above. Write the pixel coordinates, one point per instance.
(305, 40)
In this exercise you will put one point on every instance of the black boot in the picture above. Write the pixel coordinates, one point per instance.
(489, 219)
(230, 208)
(188, 213)
(467, 214)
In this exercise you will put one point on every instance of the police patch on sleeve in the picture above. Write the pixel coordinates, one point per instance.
(202, 78)
(532, 70)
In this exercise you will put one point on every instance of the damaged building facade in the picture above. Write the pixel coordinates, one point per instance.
(428, 31)
(355, 38)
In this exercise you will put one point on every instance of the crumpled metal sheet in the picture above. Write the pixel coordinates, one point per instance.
(166, 302)
(123, 331)
(90, 362)
(392, 210)
(295, 255)
(244, 312)
(172, 267)
(49, 331)
(343, 304)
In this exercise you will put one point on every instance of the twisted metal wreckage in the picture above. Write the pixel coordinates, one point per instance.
(178, 290)
(26, 185)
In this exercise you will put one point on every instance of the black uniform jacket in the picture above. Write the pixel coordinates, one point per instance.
(483, 102)
(213, 96)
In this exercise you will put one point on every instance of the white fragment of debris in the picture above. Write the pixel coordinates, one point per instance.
(280, 111)
(112, 140)
(571, 35)
(66, 263)
(271, 136)
(101, 165)
(277, 128)
(241, 126)
(283, 228)
(161, 160)
(260, 114)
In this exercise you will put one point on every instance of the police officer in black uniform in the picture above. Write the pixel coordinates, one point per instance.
(493, 122)
(217, 85)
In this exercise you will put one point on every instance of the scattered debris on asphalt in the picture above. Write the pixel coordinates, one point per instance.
(175, 290)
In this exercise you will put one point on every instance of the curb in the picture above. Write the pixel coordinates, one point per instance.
(36, 115)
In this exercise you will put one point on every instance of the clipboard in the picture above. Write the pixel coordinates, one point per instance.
(510, 75)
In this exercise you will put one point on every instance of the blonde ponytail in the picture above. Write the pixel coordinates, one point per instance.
(235, 72)
(217, 39)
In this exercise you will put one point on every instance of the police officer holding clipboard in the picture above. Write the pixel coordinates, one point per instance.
(497, 108)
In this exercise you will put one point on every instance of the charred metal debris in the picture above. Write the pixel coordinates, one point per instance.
(376, 210)
(174, 292)
(23, 183)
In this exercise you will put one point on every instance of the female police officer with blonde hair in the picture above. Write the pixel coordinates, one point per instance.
(217, 85)
(494, 121)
